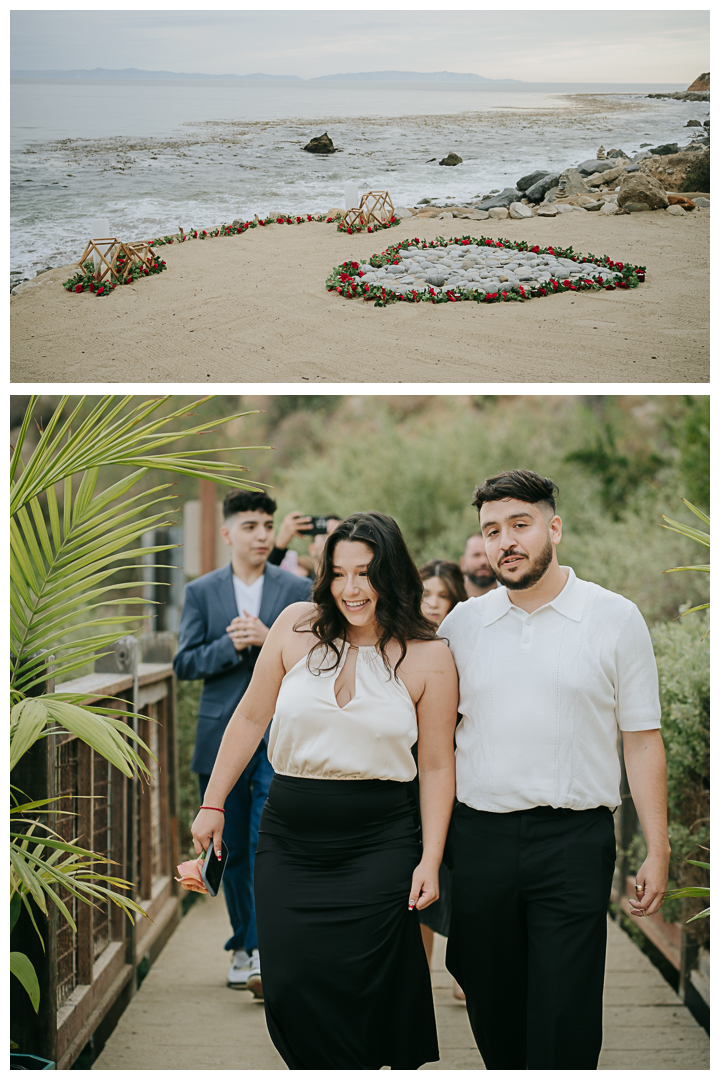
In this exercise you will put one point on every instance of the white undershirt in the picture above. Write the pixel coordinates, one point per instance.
(248, 597)
(543, 694)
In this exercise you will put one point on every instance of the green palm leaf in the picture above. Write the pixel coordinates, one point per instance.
(23, 970)
(68, 604)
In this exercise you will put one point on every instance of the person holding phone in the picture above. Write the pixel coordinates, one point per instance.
(225, 618)
(352, 680)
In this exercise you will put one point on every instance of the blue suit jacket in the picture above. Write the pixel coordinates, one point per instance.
(205, 650)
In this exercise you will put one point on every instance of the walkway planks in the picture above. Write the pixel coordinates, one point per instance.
(184, 1017)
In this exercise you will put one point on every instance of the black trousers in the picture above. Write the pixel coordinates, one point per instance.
(528, 931)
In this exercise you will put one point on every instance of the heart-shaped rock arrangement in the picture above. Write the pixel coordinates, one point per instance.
(477, 268)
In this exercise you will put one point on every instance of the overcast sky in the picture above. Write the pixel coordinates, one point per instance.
(543, 46)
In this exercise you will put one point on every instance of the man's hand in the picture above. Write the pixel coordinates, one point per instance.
(247, 630)
(291, 527)
(645, 766)
(652, 879)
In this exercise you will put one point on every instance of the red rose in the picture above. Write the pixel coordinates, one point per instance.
(78, 288)
(623, 285)
(609, 287)
(566, 283)
(536, 249)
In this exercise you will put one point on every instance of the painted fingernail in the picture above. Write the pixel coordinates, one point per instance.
(411, 905)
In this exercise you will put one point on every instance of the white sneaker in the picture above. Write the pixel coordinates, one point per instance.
(254, 982)
(237, 976)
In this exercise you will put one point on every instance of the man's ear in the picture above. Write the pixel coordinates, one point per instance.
(462, 563)
(555, 526)
(225, 533)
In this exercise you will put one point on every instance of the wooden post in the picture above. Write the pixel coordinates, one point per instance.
(207, 526)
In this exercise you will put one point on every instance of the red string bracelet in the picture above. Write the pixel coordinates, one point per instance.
(213, 808)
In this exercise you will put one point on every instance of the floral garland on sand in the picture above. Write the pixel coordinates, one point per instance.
(81, 281)
(346, 279)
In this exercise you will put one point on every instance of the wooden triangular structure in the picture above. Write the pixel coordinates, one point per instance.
(375, 206)
(116, 258)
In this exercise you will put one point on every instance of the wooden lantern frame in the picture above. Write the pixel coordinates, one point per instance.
(375, 206)
(108, 249)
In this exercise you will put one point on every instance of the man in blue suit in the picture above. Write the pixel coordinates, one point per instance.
(225, 620)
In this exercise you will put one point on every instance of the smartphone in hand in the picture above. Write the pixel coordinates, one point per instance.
(213, 868)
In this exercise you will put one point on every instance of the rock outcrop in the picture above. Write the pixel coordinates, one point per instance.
(701, 83)
(671, 170)
(639, 189)
(322, 144)
(451, 159)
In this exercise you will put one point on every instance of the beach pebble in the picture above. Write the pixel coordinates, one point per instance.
(547, 211)
(610, 207)
(499, 213)
(676, 211)
(701, 201)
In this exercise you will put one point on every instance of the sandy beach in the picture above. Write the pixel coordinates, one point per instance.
(254, 308)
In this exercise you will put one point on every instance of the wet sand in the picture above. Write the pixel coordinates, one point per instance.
(254, 308)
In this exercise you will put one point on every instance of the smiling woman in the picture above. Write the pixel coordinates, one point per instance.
(352, 681)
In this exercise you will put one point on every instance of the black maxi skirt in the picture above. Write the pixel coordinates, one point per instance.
(345, 979)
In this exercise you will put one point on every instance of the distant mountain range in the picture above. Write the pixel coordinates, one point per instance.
(364, 76)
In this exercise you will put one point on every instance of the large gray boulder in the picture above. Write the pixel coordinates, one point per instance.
(506, 196)
(593, 165)
(640, 188)
(574, 183)
(537, 192)
(532, 178)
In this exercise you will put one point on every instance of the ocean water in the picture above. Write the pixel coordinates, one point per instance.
(151, 156)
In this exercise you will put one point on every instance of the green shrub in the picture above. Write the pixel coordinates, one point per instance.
(698, 175)
(683, 658)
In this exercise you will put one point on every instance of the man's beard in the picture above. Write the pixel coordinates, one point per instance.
(482, 579)
(534, 572)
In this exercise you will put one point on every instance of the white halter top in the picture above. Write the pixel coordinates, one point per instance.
(369, 738)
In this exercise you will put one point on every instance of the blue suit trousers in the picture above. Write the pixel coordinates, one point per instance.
(243, 808)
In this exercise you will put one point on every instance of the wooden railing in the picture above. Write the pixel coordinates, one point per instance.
(673, 940)
(88, 976)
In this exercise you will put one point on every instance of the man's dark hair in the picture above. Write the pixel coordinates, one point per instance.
(392, 574)
(522, 484)
(239, 501)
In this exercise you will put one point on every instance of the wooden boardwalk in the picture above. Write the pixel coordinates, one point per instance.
(184, 1017)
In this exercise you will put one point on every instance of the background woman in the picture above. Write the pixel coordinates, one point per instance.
(353, 680)
(443, 588)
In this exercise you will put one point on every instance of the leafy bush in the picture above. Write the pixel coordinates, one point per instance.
(421, 464)
(697, 177)
(683, 658)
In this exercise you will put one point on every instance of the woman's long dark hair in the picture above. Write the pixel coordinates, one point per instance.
(392, 574)
(451, 576)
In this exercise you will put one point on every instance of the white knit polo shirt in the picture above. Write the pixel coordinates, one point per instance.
(542, 696)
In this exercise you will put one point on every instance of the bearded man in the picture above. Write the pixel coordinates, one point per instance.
(550, 668)
(478, 574)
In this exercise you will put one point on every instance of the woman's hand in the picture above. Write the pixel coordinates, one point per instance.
(425, 888)
(207, 830)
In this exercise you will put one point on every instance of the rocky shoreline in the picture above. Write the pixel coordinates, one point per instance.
(610, 183)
